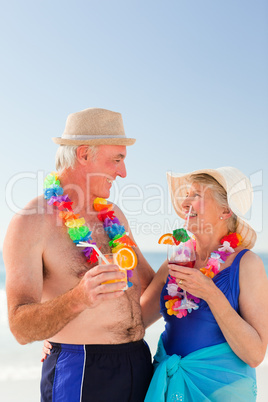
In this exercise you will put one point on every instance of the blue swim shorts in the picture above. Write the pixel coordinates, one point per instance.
(97, 373)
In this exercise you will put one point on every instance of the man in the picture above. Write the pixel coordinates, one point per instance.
(96, 329)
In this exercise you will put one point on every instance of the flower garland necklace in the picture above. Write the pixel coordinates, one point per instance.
(79, 232)
(174, 298)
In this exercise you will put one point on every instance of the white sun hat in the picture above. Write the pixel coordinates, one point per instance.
(239, 195)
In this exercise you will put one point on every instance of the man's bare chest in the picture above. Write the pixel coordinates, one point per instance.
(62, 257)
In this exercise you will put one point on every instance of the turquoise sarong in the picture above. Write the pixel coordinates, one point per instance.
(214, 373)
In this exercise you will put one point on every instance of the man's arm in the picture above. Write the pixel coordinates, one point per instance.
(31, 319)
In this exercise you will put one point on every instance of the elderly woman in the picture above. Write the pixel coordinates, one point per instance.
(210, 353)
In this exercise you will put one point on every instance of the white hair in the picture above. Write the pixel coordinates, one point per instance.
(66, 156)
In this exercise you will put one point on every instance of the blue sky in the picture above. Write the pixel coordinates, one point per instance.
(189, 77)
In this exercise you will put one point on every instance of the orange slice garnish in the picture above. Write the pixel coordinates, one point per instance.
(166, 239)
(126, 258)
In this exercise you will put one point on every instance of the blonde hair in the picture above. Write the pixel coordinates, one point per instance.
(219, 193)
(66, 156)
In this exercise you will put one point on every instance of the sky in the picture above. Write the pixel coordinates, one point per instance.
(189, 77)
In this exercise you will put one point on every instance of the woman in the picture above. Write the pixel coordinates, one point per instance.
(210, 354)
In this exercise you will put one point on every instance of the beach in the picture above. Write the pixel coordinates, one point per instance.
(20, 366)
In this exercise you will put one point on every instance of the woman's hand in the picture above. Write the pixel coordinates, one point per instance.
(46, 350)
(192, 280)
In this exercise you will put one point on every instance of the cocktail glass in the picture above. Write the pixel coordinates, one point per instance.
(183, 254)
(111, 260)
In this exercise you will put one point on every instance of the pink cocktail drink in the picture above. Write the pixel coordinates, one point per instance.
(183, 255)
(189, 264)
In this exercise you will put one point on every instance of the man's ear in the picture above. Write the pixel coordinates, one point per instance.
(82, 154)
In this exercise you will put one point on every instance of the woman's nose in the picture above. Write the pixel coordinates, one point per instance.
(186, 203)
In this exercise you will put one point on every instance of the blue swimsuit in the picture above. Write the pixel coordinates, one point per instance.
(199, 329)
(193, 362)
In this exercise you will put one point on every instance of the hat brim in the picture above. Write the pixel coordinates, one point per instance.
(247, 233)
(178, 186)
(178, 183)
(96, 141)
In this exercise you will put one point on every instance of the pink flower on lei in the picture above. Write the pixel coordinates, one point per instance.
(215, 264)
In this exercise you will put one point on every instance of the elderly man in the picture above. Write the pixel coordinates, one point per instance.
(57, 292)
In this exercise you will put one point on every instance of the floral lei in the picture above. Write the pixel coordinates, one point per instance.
(77, 230)
(174, 298)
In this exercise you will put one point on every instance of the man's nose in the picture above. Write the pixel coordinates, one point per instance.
(122, 171)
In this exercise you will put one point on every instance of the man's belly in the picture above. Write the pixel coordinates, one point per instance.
(113, 322)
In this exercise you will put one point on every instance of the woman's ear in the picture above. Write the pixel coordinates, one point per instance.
(226, 214)
(82, 154)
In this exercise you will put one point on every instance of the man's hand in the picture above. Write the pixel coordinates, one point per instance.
(92, 290)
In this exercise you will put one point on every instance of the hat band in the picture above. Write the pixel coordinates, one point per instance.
(89, 137)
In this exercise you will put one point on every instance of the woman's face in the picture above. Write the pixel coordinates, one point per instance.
(205, 212)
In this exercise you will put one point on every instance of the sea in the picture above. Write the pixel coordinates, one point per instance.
(20, 366)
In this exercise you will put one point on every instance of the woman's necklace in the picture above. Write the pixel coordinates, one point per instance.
(79, 232)
(174, 297)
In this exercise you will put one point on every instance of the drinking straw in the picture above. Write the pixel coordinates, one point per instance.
(84, 244)
(188, 216)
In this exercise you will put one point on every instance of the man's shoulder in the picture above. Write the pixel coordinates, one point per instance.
(28, 227)
(32, 213)
(118, 212)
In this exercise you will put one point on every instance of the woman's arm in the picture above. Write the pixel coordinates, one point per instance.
(150, 300)
(247, 334)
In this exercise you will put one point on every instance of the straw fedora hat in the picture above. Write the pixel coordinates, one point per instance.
(94, 126)
(239, 195)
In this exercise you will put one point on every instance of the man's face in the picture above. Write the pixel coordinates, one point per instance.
(103, 169)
